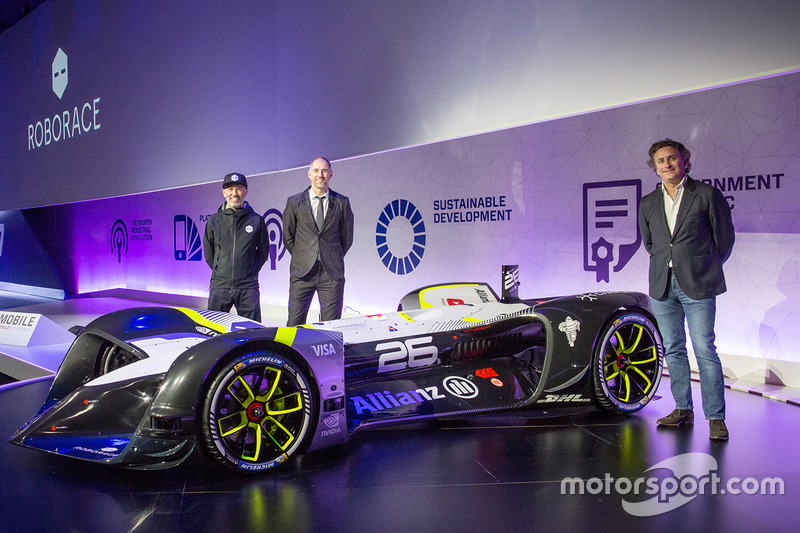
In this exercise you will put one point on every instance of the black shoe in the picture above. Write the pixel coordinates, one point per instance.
(677, 417)
(717, 430)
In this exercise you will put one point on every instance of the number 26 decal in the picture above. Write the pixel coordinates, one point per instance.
(413, 353)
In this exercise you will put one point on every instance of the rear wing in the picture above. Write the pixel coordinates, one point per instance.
(510, 283)
(463, 293)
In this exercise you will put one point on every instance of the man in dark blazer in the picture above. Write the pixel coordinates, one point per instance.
(318, 232)
(687, 229)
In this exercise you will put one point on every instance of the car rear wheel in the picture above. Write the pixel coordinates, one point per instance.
(258, 411)
(114, 357)
(627, 363)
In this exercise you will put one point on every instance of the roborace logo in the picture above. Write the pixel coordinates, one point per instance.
(400, 236)
(273, 219)
(610, 221)
(188, 244)
(119, 238)
(60, 75)
(81, 119)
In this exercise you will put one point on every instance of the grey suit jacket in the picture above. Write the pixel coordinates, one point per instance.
(307, 244)
(701, 243)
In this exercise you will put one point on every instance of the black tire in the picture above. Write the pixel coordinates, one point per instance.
(258, 411)
(627, 363)
(113, 358)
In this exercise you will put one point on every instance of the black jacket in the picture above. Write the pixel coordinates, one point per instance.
(235, 246)
(702, 241)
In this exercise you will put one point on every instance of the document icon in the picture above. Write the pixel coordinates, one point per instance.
(610, 225)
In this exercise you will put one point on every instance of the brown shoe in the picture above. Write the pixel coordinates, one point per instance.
(677, 417)
(717, 430)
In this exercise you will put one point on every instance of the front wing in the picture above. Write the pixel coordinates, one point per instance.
(143, 414)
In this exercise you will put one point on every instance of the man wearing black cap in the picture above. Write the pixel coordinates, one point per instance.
(236, 246)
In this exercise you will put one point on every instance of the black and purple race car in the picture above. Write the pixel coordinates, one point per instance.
(142, 388)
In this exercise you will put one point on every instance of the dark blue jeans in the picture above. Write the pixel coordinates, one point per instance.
(671, 313)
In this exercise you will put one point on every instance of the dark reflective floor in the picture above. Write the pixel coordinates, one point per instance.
(496, 473)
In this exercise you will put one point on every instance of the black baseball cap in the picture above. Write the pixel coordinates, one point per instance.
(234, 178)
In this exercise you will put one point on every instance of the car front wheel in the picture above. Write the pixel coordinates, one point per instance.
(258, 411)
(627, 363)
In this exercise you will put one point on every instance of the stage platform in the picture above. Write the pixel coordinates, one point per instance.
(494, 473)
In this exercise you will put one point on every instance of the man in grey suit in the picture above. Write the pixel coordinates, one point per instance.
(318, 232)
(687, 230)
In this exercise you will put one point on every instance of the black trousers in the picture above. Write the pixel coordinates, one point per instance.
(246, 301)
(330, 293)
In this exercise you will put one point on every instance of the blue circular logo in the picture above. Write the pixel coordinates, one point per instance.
(400, 236)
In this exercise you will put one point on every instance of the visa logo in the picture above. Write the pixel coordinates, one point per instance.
(324, 349)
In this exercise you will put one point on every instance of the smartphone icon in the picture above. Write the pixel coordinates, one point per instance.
(180, 237)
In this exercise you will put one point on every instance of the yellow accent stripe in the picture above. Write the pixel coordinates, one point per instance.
(241, 424)
(257, 432)
(276, 430)
(627, 397)
(296, 405)
(642, 374)
(471, 319)
(424, 305)
(197, 317)
(405, 316)
(286, 335)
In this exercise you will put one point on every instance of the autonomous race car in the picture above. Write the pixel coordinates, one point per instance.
(142, 388)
